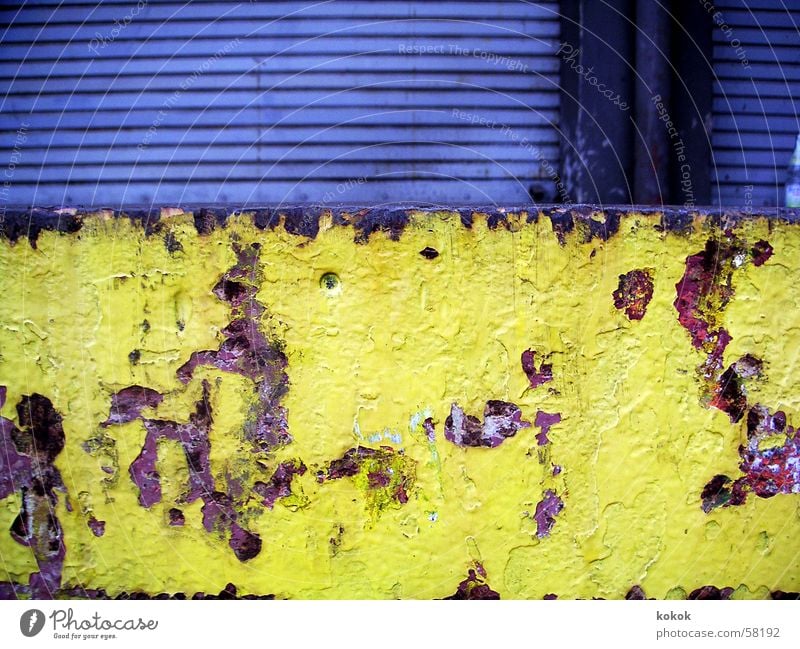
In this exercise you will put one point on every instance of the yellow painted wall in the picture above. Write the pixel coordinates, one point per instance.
(399, 339)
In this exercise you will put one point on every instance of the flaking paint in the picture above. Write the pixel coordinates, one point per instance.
(596, 383)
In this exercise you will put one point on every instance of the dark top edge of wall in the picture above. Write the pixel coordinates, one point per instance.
(392, 218)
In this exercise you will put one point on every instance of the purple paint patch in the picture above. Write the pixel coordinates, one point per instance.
(280, 484)
(546, 511)
(545, 421)
(536, 376)
(176, 517)
(28, 455)
(98, 527)
(711, 592)
(128, 403)
(550, 596)
(246, 351)
(429, 429)
(761, 252)
(501, 420)
(218, 511)
(389, 473)
(635, 592)
(474, 587)
(634, 292)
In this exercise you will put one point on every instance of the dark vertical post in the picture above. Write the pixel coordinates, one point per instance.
(596, 52)
(653, 137)
(692, 83)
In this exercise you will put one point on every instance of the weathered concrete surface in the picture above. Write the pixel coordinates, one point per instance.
(399, 403)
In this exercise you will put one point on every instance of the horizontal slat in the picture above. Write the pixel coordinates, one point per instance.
(728, 122)
(288, 64)
(376, 97)
(355, 133)
(767, 54)
(754, 105)
(779, 18)
(745, 87)
(269, 117)
(750, 141)
(447, 191)
(779, 159)
(756, 195)
(254, 82)
(752, 174)
(756, 40)
(778, 69)
(770, 5)
(105, 12)
(258, 49)
(149, 173)
(415, 149)
(185, 28)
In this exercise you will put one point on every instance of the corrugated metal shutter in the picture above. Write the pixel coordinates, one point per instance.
(757, 86)
(280, 101)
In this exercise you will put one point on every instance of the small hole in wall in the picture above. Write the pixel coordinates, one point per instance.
(330, 283)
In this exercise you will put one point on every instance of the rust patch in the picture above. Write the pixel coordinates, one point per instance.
(766, 472)
(634, 293)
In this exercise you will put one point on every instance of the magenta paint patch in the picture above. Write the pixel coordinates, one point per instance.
(98, 527)
(280, 484)
(193, 437)
(501, 420)
(761, 252)
(247, 352)
(474, 587)
(536, 375)
(711, 592)
(545, 421)
(128, 403)
(546, 511)
(634, 292)
(385, 470)
(27, 463)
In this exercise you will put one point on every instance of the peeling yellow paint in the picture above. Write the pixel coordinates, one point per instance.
(399, 340)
